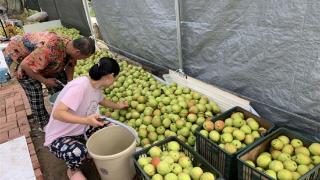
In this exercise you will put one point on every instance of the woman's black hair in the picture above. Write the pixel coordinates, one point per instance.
(104, 67)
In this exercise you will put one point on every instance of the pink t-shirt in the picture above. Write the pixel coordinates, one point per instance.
(82, 100)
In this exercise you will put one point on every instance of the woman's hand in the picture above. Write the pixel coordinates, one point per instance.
(92, 120)
(107, 103)
(108, 114)
(122, 105)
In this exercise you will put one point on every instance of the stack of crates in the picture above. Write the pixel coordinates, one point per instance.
(226, 163)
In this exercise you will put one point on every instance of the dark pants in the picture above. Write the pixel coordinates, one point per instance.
(34, 92)
(72, 149)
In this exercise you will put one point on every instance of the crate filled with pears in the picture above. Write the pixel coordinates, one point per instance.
(172, 159)
(221, 139)
(282, 155)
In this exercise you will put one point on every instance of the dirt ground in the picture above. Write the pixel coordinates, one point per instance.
(53, 168)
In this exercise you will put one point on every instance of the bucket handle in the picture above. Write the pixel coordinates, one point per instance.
(133, 132)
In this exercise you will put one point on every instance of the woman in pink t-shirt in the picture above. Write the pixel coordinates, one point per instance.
(74, 115)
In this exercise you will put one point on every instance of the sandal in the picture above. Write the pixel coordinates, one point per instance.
(75, 175)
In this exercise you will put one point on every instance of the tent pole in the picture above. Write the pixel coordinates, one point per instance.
(86, 9)
(177, 11)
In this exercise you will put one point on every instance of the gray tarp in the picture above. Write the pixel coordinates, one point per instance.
(265, 50)
(32, 4)
(13, 6)
(145, 28)
(70, 12)
(49, 6)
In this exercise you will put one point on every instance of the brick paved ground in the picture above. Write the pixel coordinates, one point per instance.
(16, 121)
(14, 113)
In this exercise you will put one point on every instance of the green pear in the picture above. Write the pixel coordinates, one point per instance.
(221, 146)
(246, 129)
(285, 140)
(288, 148)
(237, 115)
(260, 169)
(207, 176)
(149, 169)
(302, 150)
(284, 175)
(144, 161)
(184, 176)
(168, 159)
(163, 168)
(155, 151)
(249, 139)
(176, 168)
(277, 144)
(204, 133)
(295, 175)
(263, 161)
(275, 154)
(310, 166)
(253, 125)
(170, 176)
(314, 148)
(238, 122)
(284, 157)
(157, 177)
(230, 148)
(296, 143)
(255, 134)
(266, 153)
(196, 173)
(250, 163)
(228, 122)
(316, 159)
(276, 165)
(237, 143)
(226, 138)
(303, 159)
(228, 129)
(271, 173)
(214, 136)
(239, 135)
(302, 169)
(290, 165)
(175, 155)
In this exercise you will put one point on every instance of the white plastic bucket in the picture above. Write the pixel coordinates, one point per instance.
(111, 149)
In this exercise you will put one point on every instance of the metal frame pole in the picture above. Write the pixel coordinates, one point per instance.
(4, 30)
(179, 48)
(86, 9)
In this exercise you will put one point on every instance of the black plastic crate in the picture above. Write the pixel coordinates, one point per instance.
(227, 163)
(245, 172)
(196, 159)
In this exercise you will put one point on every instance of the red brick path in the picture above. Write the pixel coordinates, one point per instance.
(14, 113)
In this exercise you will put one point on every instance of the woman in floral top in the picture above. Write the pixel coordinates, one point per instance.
(44, 57)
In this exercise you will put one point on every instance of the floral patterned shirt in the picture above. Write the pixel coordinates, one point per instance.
(43, 52)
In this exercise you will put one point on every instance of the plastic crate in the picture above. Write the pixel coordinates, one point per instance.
(226, 163)
(196, 159)
(246, 172)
